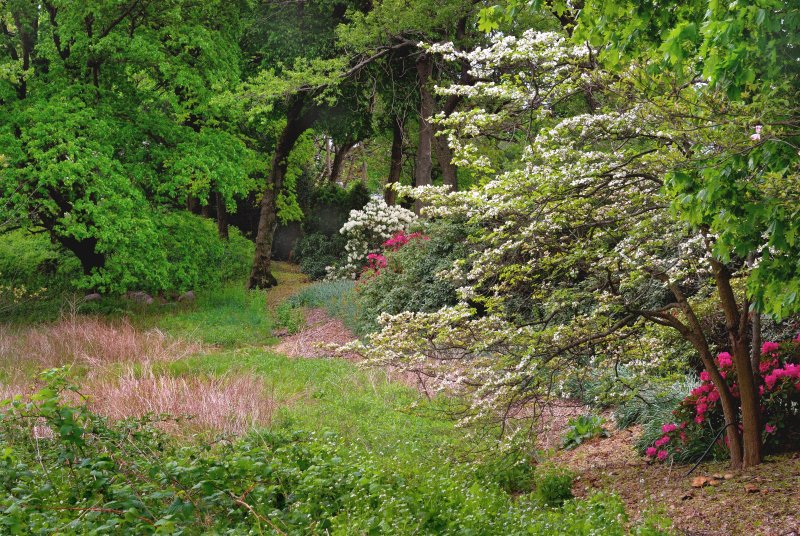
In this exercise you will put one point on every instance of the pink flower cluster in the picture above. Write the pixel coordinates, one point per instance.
(789, 371)
(400, 239)
(376, 261)
(779, 370)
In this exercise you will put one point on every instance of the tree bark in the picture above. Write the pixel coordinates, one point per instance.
(298, 121)
(693, 332)
(338, 160)
(396, 165)
(222, 217)
(85, 251)
(736, 323)
(444, 155)
(424, 163)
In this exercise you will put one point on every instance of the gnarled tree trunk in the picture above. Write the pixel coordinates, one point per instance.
(298, 120)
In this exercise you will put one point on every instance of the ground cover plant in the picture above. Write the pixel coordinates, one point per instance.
(129, 476)
(502, 226)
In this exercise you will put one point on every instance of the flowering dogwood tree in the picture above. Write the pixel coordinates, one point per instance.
(579, 250)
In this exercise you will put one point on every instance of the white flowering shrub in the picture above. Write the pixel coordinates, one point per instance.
(366, 230)
(576, 258)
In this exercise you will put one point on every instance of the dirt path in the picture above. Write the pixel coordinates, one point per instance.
(764, 500)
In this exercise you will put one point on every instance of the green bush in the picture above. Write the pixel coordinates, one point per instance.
(129, 477)
(183, 252)
(33, 261)
(581, 428)
(191, 253)
(316, 251)
(410, 281)
(554, 485)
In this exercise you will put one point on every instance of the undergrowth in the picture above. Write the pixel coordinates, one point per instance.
(101, 477)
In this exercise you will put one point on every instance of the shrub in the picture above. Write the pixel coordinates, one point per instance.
(94, 476)
(181, 251)
(366, 230)
(554, 485)
(409, 279)
(699, 415)
(581, 428)
(316, 251)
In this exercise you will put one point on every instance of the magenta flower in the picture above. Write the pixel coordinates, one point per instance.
(769, 347)
(651, 451)
(771, 380)
(662, 455)
(724, 359)
(669, 427)
(705, 376)
(660, 442)
(769, 428)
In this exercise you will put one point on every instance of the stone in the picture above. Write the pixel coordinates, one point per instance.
(94, 296)
(139, 297)
(700, 481)
(187, 297)
(751, 488)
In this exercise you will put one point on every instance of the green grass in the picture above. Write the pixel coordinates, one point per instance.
(336, 297)
(228, 317)
(361, 406)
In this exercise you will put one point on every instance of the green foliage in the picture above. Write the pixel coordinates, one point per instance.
(653, 403)
(411, 280)
(317, 251)
(289, 317)
(652, 406)
(581, 428)
(179, 252)
(337, 297)
(513, 470)
(130, 477)
(225, 316)
(108, 122)
(554, 485)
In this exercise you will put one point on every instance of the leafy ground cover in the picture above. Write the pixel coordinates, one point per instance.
(258, 442)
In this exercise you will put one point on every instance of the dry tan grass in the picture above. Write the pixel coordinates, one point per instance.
(89, 341)
(231, 404)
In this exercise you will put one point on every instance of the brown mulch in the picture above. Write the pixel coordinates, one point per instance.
(319, 331)
(764, 500)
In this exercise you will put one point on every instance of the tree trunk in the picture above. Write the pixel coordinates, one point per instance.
(445, 158)
(396, 166)
(297, 122)
(424, 163)
(692, 331)
(730, 407)
(222, 217)
(85, 251)
(736, 323)
(338, 160)
(192, 204)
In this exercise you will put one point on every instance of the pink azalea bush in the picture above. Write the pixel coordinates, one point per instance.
(378, 261)
(700, 412)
